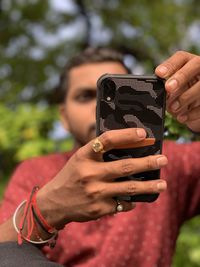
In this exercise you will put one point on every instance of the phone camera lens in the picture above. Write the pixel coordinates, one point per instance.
(109, 89)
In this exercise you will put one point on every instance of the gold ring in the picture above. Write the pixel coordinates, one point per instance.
(119, 206)
(97, 146)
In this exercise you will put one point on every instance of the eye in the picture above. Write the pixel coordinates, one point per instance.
(86, 96)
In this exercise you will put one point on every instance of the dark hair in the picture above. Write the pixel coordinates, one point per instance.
(89, 55)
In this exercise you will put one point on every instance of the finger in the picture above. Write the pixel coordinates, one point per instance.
(174, 63)
(126, 167)
(122, 138)
(194, 125)
(109, 206)
(171, 97)
(184, 77)
(128, 137)
(130, 188)
(186, 99)
(127, 206)
(190, 116)
(145, 142)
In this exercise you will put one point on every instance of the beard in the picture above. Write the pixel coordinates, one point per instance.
(83, 139)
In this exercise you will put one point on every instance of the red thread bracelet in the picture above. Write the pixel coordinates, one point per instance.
(44, 222)
(27, 216)
(30, 214)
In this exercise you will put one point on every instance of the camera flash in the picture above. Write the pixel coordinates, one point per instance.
(108, 98)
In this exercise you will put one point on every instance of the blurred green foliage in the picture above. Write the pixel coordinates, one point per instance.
(38, 37)
(23, 131)
(26, 131)
(188, 245)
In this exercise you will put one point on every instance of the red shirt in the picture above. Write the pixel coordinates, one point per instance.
(143, 237)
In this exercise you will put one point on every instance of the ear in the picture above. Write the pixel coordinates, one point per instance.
(63, 116)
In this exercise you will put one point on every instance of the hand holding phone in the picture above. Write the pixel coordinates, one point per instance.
(129, 101)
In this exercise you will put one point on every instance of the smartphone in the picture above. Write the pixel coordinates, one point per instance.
(127, 100)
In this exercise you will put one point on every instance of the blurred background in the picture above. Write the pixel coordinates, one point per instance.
(36, 40)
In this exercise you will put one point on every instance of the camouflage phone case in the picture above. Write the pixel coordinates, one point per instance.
(132, 101)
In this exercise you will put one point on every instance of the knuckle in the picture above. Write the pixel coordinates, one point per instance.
(86, 175)
(132, 188)
(131, 132)
(170, 67)
(184, 54)
(181, 53)
(93, 192)
(126, 167)
(182, 76)
(184, 98)
(192, 115)
(196, 61)
(106, 138)
(150, 163)
(95, 210)
(150, 186)
(78, 156)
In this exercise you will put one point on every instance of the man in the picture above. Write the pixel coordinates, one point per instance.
(79, 186)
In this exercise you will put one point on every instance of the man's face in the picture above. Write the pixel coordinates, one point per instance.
(79, 109)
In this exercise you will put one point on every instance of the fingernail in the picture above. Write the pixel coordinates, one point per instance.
(163, 70)
(175, 105)
(141, 133)
(161, 186)
(162, 161)
(172, 84)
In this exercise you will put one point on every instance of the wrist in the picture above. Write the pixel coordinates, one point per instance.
(49, 209)
(30, 225)
(17, 217)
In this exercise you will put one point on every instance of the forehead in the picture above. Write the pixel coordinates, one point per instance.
(87, 75)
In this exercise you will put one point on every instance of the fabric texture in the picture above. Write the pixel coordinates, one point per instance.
(13, 255)
(143, 237)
